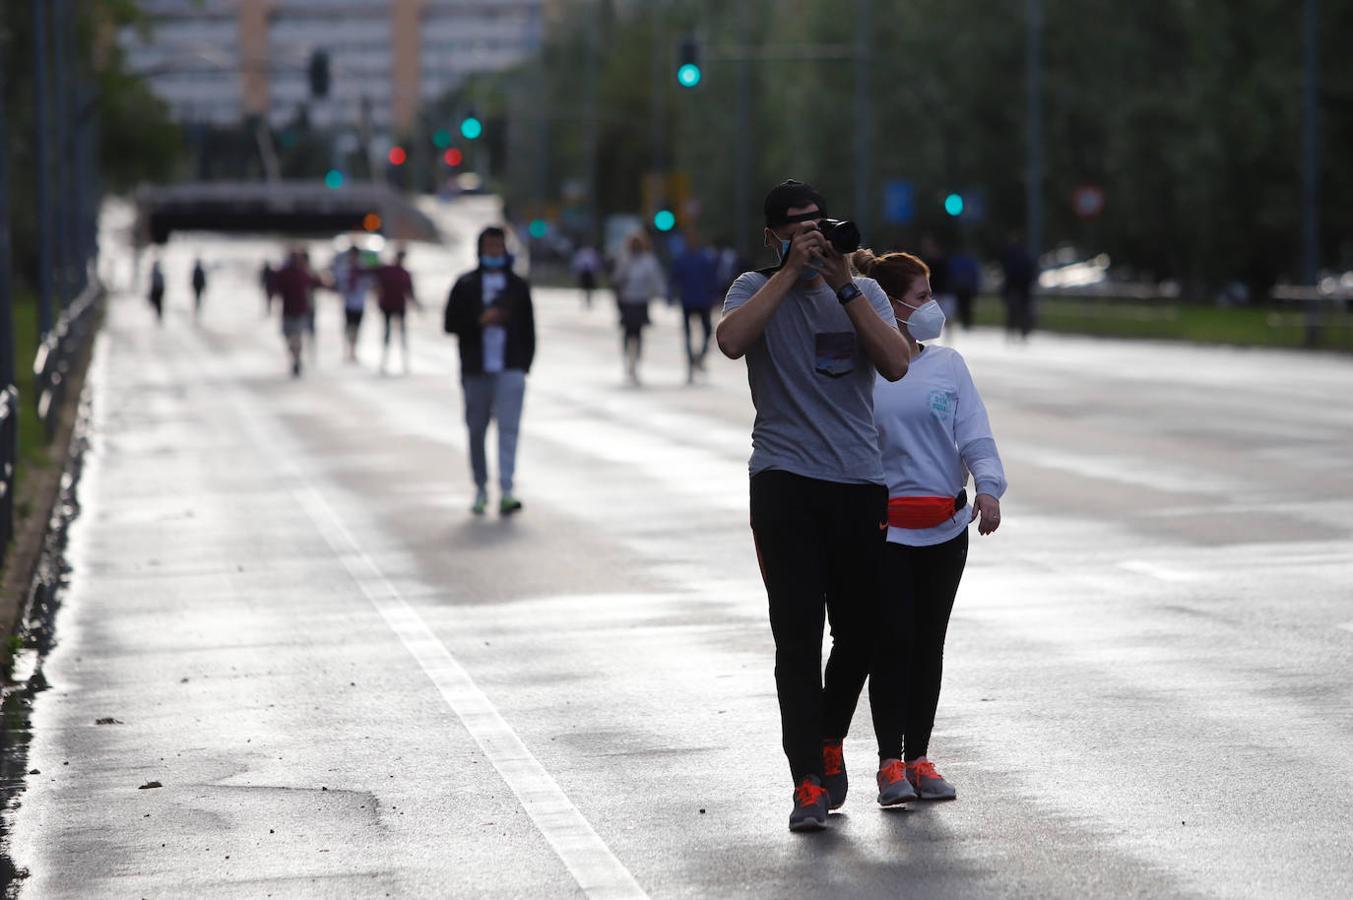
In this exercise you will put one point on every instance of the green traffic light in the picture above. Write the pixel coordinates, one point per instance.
(471, 128)
(441, 138)
(688, 75)
(538, 228)
(333, 179)
(664, 220)
(953, 204)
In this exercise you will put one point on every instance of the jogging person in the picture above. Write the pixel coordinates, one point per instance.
(394, 288)
(587, 266)
(814, 339)
(352, 281)
(933, 429)
(490, 311)
(199, 285)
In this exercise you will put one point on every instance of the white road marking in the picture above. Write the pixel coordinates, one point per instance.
(587, 857)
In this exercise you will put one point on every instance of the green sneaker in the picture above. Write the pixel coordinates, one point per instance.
(508, 505)
(481, 503)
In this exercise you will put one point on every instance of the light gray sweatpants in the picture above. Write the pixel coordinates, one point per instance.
(497, 397)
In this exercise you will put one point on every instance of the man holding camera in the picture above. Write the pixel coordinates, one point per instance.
(814, 337)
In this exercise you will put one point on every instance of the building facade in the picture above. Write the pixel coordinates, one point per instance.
(217, 61)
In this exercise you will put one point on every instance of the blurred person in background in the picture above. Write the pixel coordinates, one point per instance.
(1020, 272)
(730, 265)
(267, 280)
(394, 289)
(814, 338)
(352, 281)
(491, 314)
(933, 431)
(310, 314)
(695, 282)
(199, 285)
(587, 265)
(156, 295)
(941, 275)
(296, 284)
(638, 279)
(965, 276)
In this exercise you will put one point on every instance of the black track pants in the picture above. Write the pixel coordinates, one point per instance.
(919, 585)
(818, 543)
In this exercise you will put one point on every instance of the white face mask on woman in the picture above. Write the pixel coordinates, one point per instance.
(926, 321)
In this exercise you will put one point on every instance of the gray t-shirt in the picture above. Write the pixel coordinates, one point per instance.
(812, 385)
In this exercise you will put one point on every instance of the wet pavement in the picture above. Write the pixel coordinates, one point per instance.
(345, 685)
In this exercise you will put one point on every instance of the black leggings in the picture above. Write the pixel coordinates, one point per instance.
(706, 326)
(919, 584)
(818, 543)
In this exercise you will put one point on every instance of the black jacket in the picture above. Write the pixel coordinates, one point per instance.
(466, 304)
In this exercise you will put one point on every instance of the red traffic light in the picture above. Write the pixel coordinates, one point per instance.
(453, 157)
(397, 156)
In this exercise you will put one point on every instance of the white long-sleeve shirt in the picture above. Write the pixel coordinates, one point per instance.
(933, 430)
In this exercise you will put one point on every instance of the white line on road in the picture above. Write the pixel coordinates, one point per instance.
(596, 869)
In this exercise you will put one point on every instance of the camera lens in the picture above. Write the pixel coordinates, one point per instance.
(844, 236)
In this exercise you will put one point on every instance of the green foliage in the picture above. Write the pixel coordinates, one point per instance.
(1186, 112)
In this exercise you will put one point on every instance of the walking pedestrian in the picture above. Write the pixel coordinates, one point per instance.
(157, 290)
(934, 431)
(394, 287)
(587, 266)
(965, 277)
(295, 285)
(694, 277)
(199, 285)
(1020, 272)
(814, 337)
(267, 280)
(638, 279)
(490, 312)
(353, 281)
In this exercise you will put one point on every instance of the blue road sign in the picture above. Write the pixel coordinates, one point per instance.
(899, 202)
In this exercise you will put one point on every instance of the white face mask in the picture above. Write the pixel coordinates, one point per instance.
(925, 322)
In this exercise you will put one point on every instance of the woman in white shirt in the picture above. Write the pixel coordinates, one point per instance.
(933, 432)
(638, 278)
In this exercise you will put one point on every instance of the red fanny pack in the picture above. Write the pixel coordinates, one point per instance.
(921, 512)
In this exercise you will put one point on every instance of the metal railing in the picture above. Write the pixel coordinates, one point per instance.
(65, 343)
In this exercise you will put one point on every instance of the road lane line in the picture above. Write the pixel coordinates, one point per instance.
(589, 860)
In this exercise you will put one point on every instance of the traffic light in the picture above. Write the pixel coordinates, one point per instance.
(441, 138)
(953, 205)
(688, 73)
(471, 127)
(453, 157)
(397, 156)
(664, 220)
(319, 74)
(333, 179)
(538, 228)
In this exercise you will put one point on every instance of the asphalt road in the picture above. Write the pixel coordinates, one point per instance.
(347, 686)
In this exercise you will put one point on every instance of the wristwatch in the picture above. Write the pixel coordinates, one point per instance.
(848, 292)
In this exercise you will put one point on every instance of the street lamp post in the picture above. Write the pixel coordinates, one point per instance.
(1033, 78)
(40, 146)
(1310, 170)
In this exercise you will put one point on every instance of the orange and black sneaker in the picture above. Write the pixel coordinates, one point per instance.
(929, 784)
(810, 806)
(894, 788)
(834, 770)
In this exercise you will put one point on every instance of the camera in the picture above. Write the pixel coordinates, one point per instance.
(843, 235)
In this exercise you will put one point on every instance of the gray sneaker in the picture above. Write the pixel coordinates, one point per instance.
(810, 806)
(929, 784)
(894, 788)
(834, 772)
